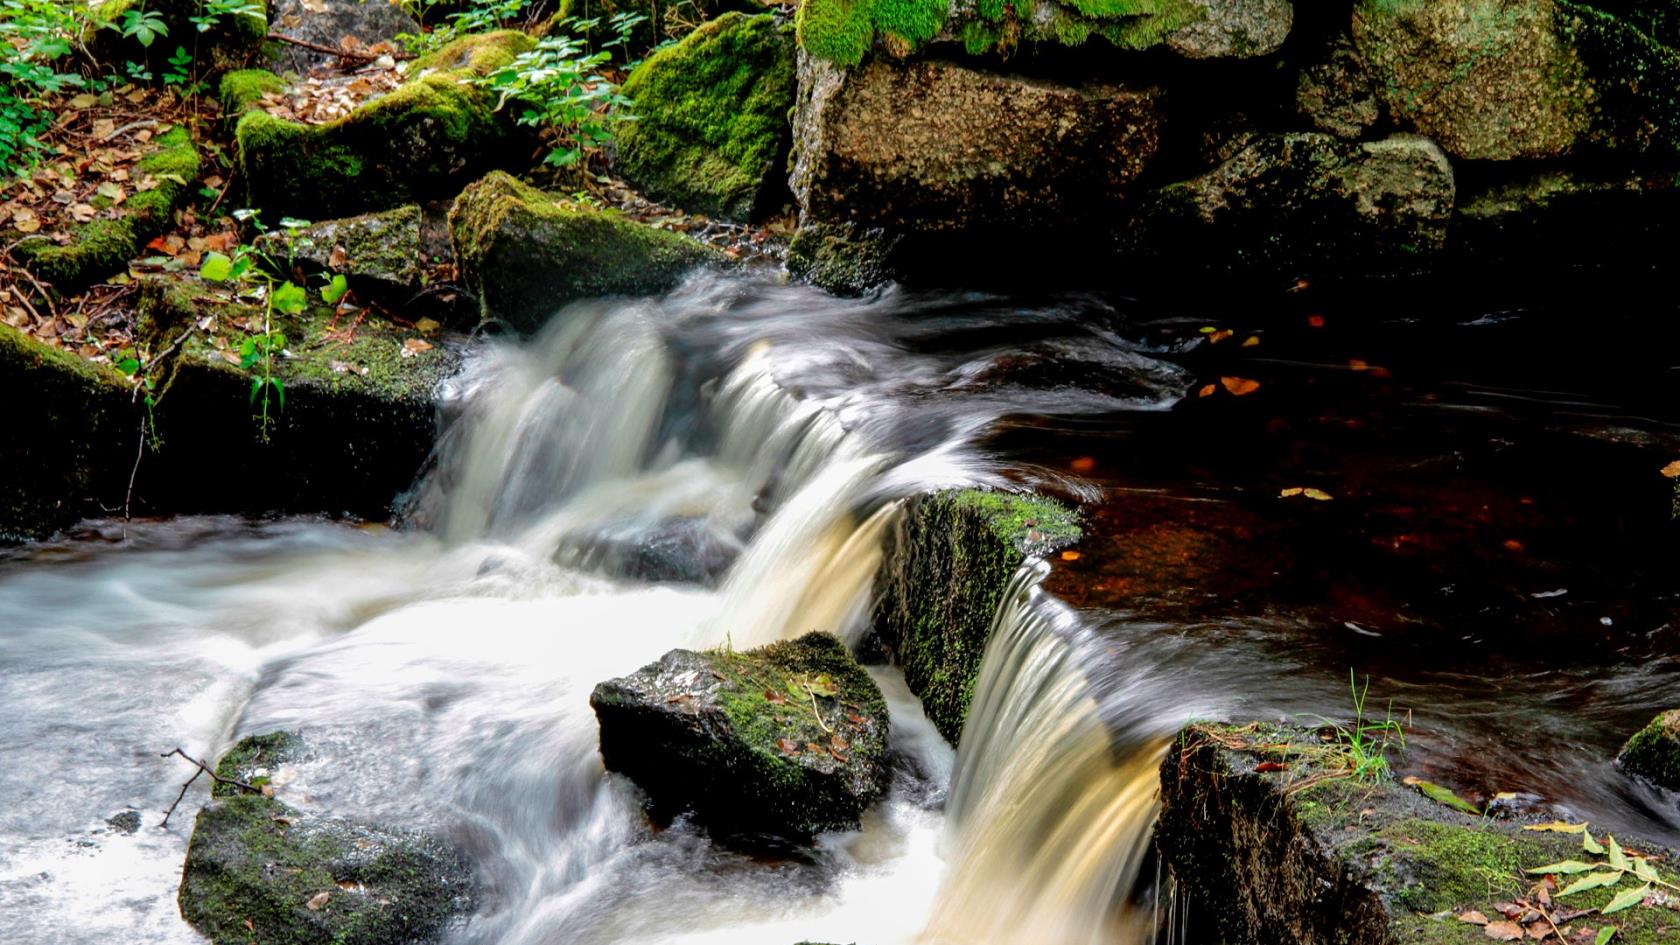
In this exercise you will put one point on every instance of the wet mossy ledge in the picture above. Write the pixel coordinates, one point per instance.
(1653, 753)
(711, 131)
(1267, 845)
(784, 741)
(259, 869)
(105, 245)
(422, 141)
(948, 563)
(525, 253)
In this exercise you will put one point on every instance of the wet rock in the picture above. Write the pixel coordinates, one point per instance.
(786, 740)
(843, 258)
(379, 253)
(1653, 753)
(946, 567)
(127, 822)
(1260, 858)
(684, 550)
(711, 131)
(1305, 200)
(422, 141)
(1491, 80)
(259, 869)
(526, 253)
(1335, 93)
(934, 145)
(1234, 29)
(327, 23)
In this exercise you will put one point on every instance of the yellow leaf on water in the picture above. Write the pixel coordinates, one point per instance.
(1672, 470)
(1306, 492)
(1239, 386)
(1251, 341)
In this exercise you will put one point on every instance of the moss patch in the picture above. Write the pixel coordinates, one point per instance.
(1653, 752)
(950, 559)
(711, 128)
(240, 90)
(844, 31)
(526, 253)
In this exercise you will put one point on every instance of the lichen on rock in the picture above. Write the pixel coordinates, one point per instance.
(526, 253)
(711, 129)
(1653, 753)
(785, 740)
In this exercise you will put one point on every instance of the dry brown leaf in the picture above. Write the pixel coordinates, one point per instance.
(1503, 931)
(317, 901)
(82, 212)
(337, 258)
(1473, 917)
(1672, 470)
(413, 346)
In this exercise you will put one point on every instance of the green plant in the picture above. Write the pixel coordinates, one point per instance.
(478, 16)
(1616, 866)
(557, 89)
(1360, 749)
(36, 40)
(141, 25)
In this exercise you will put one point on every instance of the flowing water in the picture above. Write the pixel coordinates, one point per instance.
(756, 439)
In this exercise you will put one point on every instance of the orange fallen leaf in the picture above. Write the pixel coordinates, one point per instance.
(1251, 341)
(1220, 335)
(1672, 470)
(1315, 321)
(413, 346)
(1240, 386)
(1070, 556)
(1511, 544)
(1358, 365)
(1085, 464)
(1207, 391)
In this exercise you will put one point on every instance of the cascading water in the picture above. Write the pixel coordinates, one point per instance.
(749, 442)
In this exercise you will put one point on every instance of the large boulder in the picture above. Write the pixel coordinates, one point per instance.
(526, 253)
(260, 870)
(328, 23)
(947, 566)
(1492, 80)
(711, 131)
(422, 141)
(1270, 840)
(787, 740)
(1653, 753)
(1305, 200)
(934, 145)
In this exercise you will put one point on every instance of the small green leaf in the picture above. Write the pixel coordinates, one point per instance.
(288, 299)
(823, 686)
(335, 290)
(1605, 934)
(1589, 844)
(256, 386)
(1591, 881)
(1626, 898)
(216, 268)
(279, 389)
(1618, 859)
(1643, 869)
(1564, 868)
(128, 366)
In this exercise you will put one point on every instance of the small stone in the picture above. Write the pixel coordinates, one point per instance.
(1653, 753)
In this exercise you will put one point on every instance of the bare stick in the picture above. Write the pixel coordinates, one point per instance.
(202, 769)
(341, 53)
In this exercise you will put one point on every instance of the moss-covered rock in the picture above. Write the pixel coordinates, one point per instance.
(711, 132)
(1490, 80)
(526, 253)
(786, 740)
(422, 141)
(1653, 753)
(231, 41)
(382, 252)
(948, 562)
(105, 246)
(671, 20)
(1267, 846)
(1307, 202)
(240, 90)
(843, 258)
(253, 759)
(933, 145)
(65, 440)
(260, 870)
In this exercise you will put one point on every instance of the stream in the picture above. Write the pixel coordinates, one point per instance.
(759, 438)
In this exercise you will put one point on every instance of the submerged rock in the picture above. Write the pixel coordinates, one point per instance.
(422, 141)
(1267, 845)
(944, 574)
(260, 870)
(526, 253)
(934, 145)
(1305, 200)
(787, 740)
(685, 550)
(1653, 753)
(711, 131)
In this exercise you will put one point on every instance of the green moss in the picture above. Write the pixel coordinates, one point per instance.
(239, 90)
(251, 754)
(842, 31)
(711, 126)
(419, 142)
(1654, 751)
(842, 258)
(526, 253)
(1635, 82)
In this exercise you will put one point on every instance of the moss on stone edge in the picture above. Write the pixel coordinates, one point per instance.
(951, 558)
(240, 90)
(1653, 752)
(419, 142)
(711, 124)
(525, 253)
(842, 258)
(1343, 861)
(253, 754)
(105, 246)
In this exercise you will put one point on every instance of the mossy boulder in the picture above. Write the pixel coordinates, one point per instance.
(843, 258)
(421, 141)
(949, 560)
(525, 253)
(231, 41)
(240, 91)
(787, 740)
(1267, 845)
(258, 869)
(711, 132)
(328, 22)
(64, 443)
(104, 246)
(380, 254)
(1490, 80)
(1305, 201)
(1653, 753)
(932, 145)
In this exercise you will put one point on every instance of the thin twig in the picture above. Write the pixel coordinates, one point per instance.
(131, 126)
(815, 711)
(202, 769)
(341, 53)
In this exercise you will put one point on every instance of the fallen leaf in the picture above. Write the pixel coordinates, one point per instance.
(84, 100)
(1672, 470)
(83, 212)
(25, 220)
(337, 258)
(104, 127)
(1239, 386)
(1070, 556)
(317, 901)
(427, 326)
(1473, 917)
(773, 697)
(788, 746)
(1503, 931)
(1207, 391)
(1315, 321)
(1558, 826)
(1251, 341)
(1219, 336)
(1539, 930)
(1271, 766)
(413, 346)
